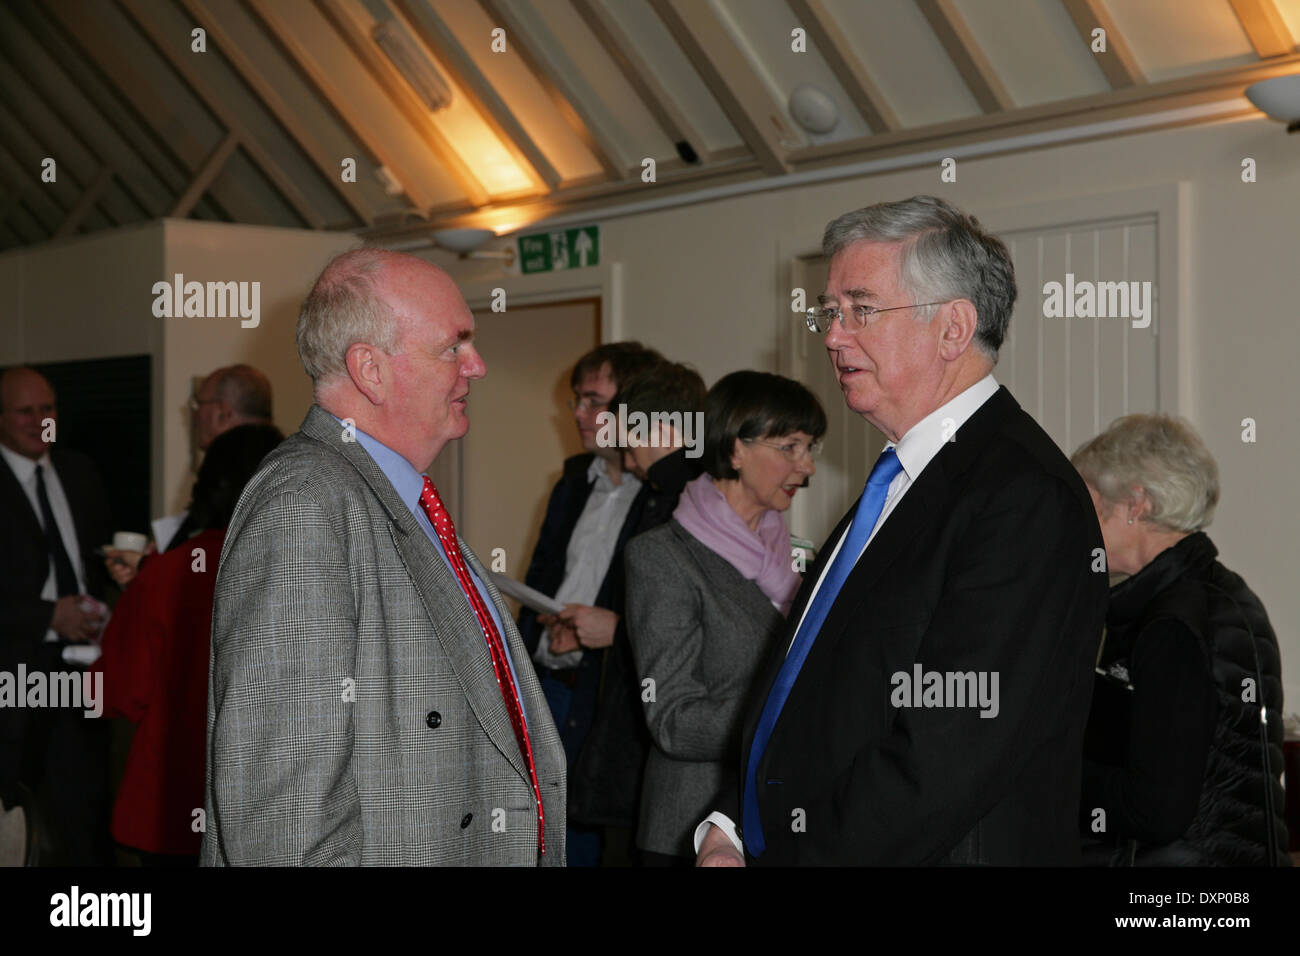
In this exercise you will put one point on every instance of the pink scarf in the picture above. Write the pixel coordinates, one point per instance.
(763, 557)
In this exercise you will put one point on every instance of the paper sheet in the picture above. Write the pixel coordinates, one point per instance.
(528, 597)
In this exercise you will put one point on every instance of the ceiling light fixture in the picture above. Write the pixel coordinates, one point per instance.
(414, 66)
(1279, 98)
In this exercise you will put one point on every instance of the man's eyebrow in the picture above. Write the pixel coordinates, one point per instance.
(849, 294)
(464, 335)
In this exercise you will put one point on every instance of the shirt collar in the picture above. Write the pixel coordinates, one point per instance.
(598, 471)
(22, 466)
(407, 482)
(926, 438)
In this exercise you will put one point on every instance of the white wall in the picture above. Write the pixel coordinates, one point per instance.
(707, 284)
(285, 262)
(80, 298)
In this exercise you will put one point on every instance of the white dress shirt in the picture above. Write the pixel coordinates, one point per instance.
(24, 470)
(591, 548)
(915, 450)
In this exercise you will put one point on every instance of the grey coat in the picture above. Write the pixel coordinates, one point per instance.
(353, 713)
(700, 631)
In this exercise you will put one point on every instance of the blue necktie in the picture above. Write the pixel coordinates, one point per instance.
(870, 505)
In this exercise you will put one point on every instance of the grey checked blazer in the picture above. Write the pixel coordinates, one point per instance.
(701, 631)
(353, 713)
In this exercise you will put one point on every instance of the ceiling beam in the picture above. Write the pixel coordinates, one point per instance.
(184, 63)
(94, 189)
(953, 32)
(1177, 93)
(203, 178)
(845, 64)
(731, 77)
(363, 127)
(1264, 25)
(145, 167)
(922, 143)
(640, 75)
(84, 24)
(21, 170)
(357, 36)
(438, 37)
(1118, 63)
(299, 131)
(600, 142)
(26, 225)
(61, 138)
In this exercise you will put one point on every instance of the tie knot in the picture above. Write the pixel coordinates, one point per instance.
(886, 468)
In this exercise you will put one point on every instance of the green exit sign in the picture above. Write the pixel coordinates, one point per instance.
(559, 249)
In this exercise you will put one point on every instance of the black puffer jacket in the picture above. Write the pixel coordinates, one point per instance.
(1185, 592)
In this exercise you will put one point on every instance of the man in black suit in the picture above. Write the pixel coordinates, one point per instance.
(588, 520)
(57, 753)
(927, 704)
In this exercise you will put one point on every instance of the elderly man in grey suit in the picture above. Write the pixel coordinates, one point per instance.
(370, 700)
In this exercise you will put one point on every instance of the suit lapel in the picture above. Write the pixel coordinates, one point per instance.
(439, 591)
(20, 504)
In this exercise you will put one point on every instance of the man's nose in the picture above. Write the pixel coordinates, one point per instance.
(836, 336)
(474, 366)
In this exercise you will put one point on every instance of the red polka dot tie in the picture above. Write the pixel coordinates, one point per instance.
(446, 531)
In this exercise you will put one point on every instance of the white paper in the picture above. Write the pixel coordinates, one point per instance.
(165, 527)
(528, 597)
(83, 654)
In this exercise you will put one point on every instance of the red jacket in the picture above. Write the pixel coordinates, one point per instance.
(155, 668)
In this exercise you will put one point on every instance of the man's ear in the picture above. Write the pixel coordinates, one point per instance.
(370, 371)
(959, 329)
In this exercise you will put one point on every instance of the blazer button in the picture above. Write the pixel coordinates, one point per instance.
(434, 720)
(464, 821)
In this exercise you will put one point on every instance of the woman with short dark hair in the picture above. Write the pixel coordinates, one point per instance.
(155, 661)
(707, 594)
(1180, 767)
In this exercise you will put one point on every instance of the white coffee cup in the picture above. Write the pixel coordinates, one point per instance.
(130, 541)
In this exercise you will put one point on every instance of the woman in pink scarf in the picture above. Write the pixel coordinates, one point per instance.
(707, 596)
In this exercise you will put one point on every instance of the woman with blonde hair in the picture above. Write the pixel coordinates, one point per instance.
(1184, 742)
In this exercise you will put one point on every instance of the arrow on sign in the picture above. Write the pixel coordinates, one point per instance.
(582, 246)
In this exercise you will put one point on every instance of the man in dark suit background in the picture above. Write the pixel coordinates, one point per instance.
(605, 778)
(57, 754)
(928, 701)
(588, 520)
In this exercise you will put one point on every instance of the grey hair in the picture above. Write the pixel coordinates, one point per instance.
(245, 389)
(343, 308)
(946, 255)
(1165, 457)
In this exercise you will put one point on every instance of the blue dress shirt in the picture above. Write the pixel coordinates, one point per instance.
(409, 484)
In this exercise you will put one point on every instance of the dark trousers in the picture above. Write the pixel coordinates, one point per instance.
(572, 706)
(66, 766)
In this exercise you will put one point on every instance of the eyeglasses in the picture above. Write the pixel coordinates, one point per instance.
(820, 320)
(196, 403)
(792, 450)
(587, 404)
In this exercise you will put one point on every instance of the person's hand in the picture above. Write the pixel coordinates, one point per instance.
(72, 623)
(563, 639)
(594, 626)
(123, 566)
(717, 850)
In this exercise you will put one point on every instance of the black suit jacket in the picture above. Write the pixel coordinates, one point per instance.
(546, 568)
(985, 565)
(24, 565)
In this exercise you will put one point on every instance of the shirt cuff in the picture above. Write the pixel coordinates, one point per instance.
(723, 823)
